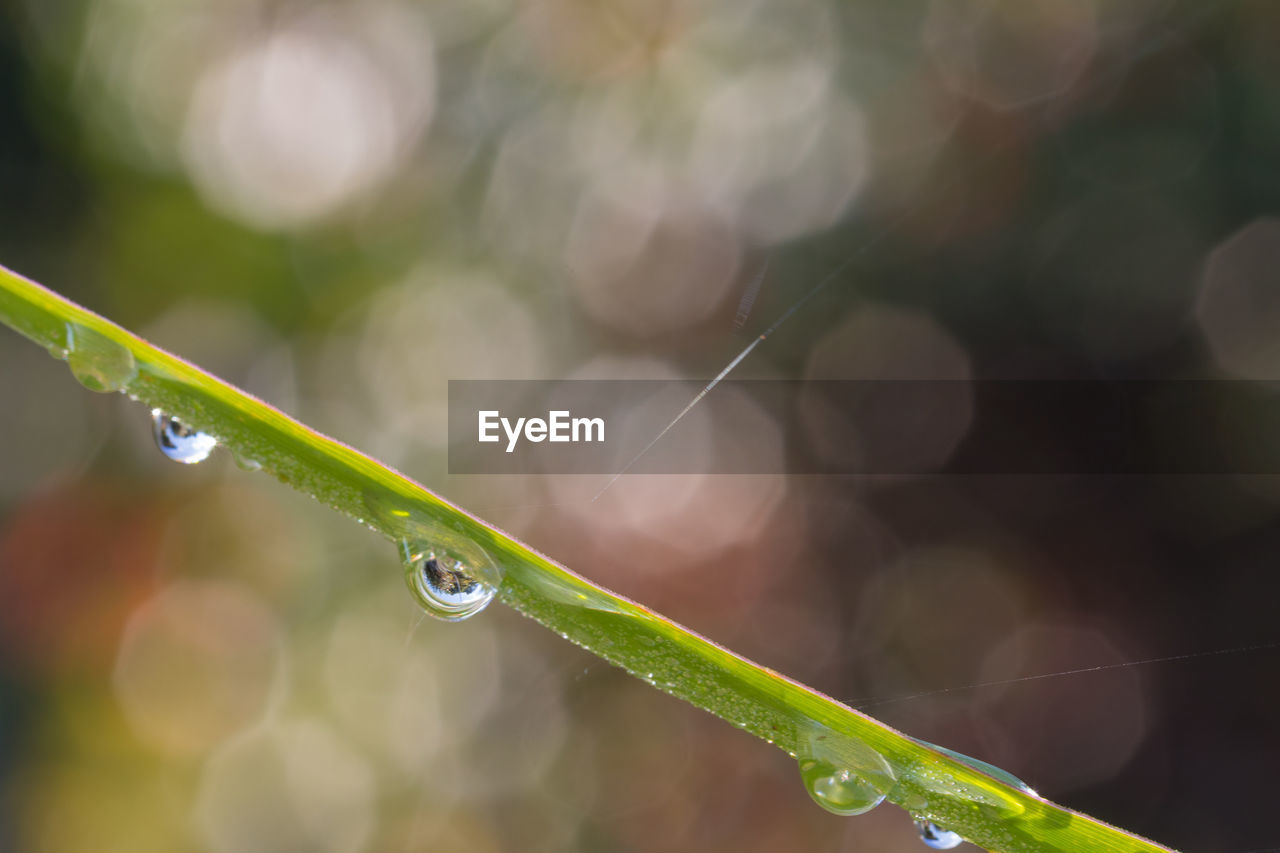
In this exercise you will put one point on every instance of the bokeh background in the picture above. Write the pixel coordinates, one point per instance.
(342, 205)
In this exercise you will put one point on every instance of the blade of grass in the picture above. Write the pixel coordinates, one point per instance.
(986, 808)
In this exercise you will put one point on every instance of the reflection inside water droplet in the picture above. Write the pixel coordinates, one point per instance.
(842, 774)
(936, 837)
(96, 361)
(838, 790)
(178, 441)
(451, 581)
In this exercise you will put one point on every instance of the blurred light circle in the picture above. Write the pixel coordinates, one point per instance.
(602, 41)
(731, 35)
(140, 62)
(197, 663)
(646, 256)
(221, 335)
(695, 513)
(1239, 306)
(908, 123)
(233, 342)
(779, 151)
(914, 405)
(293, 786)
(1010, 53)
(408, 693)
(1075, 730)
(533, 186)
(716, 144)
(305, 119)
(631, 505)
(607, 128)
(441, 324)
(512, 745)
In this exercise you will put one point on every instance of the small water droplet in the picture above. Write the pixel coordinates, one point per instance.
(837, 790)
(983, 767)
(99, 363)
(244, 463)
(936, 837)
(451, 581)
(178, 441)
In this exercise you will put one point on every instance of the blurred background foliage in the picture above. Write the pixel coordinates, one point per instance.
(341, 205)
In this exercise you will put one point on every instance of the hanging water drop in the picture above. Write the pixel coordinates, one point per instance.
(838, 790)
(451, 580)
(178, 441)
(99, 363)
(936, 837)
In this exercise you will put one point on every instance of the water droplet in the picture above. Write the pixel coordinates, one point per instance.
(178, 441)
(451, 580)
(936, 837)
(915, 803)
(983, 767)
(244, 463)
(99, 363)
(837, 790)
(842, 774)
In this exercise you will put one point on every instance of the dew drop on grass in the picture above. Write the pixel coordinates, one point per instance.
(843, 775)
(451, 581)
(984, 767)
(838, 790)
(245, 463)
(99, 363)
(936, 837)
(178, 441)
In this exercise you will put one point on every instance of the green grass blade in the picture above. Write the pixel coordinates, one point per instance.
(931, 783)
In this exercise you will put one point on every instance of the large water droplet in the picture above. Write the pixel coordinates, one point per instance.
(99, 363)
(451, 579)
(936, 837)
(843, 775)
(178, 441)
(838, 790)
